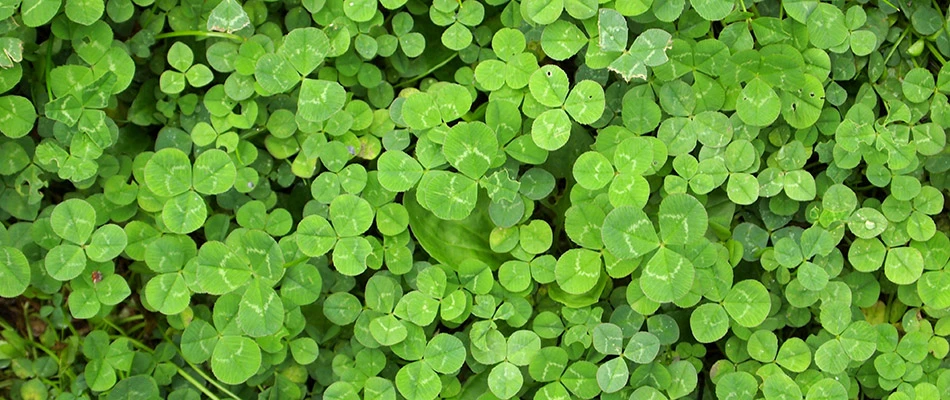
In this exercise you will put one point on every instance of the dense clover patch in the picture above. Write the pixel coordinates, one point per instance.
(548, 199)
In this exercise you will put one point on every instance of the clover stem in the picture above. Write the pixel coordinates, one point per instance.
(897, 43)
(211, 381)
(201, 373)
(26, 323)
(742, 3)
(201, 34)
(936, 54)
(114, 326)
(47, 68)
(295, 262)
(253, 132)
(889, 3)
(425, 74)
(34, 345)
(135, 317)
(194, 382)
(136, 343)
(137, 327)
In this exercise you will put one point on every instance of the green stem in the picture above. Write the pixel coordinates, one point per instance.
(253, 132)
(194, 382)
(431, 70)
(26, 322)
(137, 327)
(136, 343)
(200, 34)
(48, 352)
(198, 371)
(212, 381)
(135, 317)
(936, 54)
(889, 3)
(114, 327)
(185, 374)
(34, 345)
(897, 43)
(295, 262)
(47, 67)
